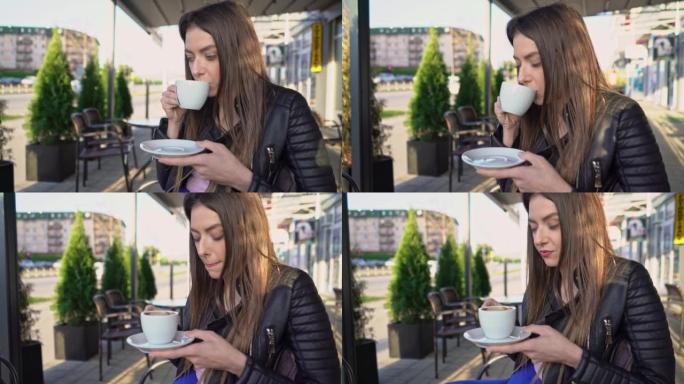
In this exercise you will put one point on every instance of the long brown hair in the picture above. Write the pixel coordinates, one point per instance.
(242, 91)
(573, 84)
(249, 271)
(585, 260)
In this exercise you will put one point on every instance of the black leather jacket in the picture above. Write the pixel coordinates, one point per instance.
(624, 155)
(296, 318)
(291, 156)
(630, 313)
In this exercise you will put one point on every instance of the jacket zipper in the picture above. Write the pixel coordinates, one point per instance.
(598, 183)
(270, 151)
(270, 334)
(608, 325)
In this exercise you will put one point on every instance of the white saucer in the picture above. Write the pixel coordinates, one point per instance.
(171, 147)
(139, 341)
(492, 157)
(477, 336)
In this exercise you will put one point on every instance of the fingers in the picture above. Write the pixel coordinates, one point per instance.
(201, 334)
(529, 157)
(175, 353)
(183, 161)
(505, 173)
(538, 329)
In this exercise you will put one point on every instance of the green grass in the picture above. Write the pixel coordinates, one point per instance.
(35, 257)
(38, 300)
(11, 117)
(386, 114)
(376, 255)
(368, 299)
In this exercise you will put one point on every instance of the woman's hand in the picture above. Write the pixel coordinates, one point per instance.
(219, 166)
(509, 122)
(539, 176)
(174, 112)
(213, 352)
(550, 347)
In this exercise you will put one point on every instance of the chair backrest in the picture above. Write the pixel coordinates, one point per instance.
(435, 303)
(468, 114)
(151, 369)
(101, 305)
(115, 297)
(14, 376)
(449, 294)
(451, 119)
(92, 116)
(674, 293)
(80, 126)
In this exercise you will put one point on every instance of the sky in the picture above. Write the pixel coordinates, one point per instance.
(490, 225)
(156, 226)
(472, 15)
(94, 17)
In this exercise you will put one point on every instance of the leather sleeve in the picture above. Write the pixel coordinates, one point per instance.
(165, 173)
(496, 140)
(648, 334)
(639, 163)
(310, 335)
(305, 153)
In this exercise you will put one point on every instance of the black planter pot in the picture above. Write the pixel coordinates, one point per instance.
(383, 174)
(76, 342)
(410, 341)
(429, 158)
(366, 362)
(31, 362)
(6, 176)
(53, 162)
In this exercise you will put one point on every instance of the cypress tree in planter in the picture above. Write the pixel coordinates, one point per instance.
(481, 286)
(469, 90)
(92, 90)
(51, 154)
(76, 330)
(410, 331)
(31, 348)
(427, 151)
(366, 356)
(115, 275)
(6, 166)
(147, 287)
(123, 109)
(449, 272)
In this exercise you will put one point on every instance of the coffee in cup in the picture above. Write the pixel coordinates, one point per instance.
(159, 326)
(497, 321)
(191, 93)
(516, 99)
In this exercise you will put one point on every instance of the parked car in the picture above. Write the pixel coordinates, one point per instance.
(359, 262)
(389, 263)
(10, 80)
(28, 80)
(384, 77)
(27, 264)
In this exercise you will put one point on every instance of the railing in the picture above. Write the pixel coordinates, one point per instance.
(394, 86)
(19, 88)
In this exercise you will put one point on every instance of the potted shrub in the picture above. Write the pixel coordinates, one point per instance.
(366, 355)
(147, 287)
(92, 90)
(116, 273)
(31, 348)
(481, 285)
(123, 108)
(428, 148)
(449, 272)
(51, 154)
(6, 165)
(76, 332)
(410, 332)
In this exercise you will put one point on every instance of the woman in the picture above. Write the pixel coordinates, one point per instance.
(260, 137)
(259, 321)
(597, 317)
(577, 135)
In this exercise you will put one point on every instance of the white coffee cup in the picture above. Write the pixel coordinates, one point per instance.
(191, 93)
(516, 99)
(159, 326)
(497, 321)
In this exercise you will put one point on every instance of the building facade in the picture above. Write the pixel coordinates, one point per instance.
(403, 47)
(48, 232)
(24, 48)
(381, 230)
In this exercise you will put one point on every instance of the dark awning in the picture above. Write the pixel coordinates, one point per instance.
(585, 7)
(157, 13)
